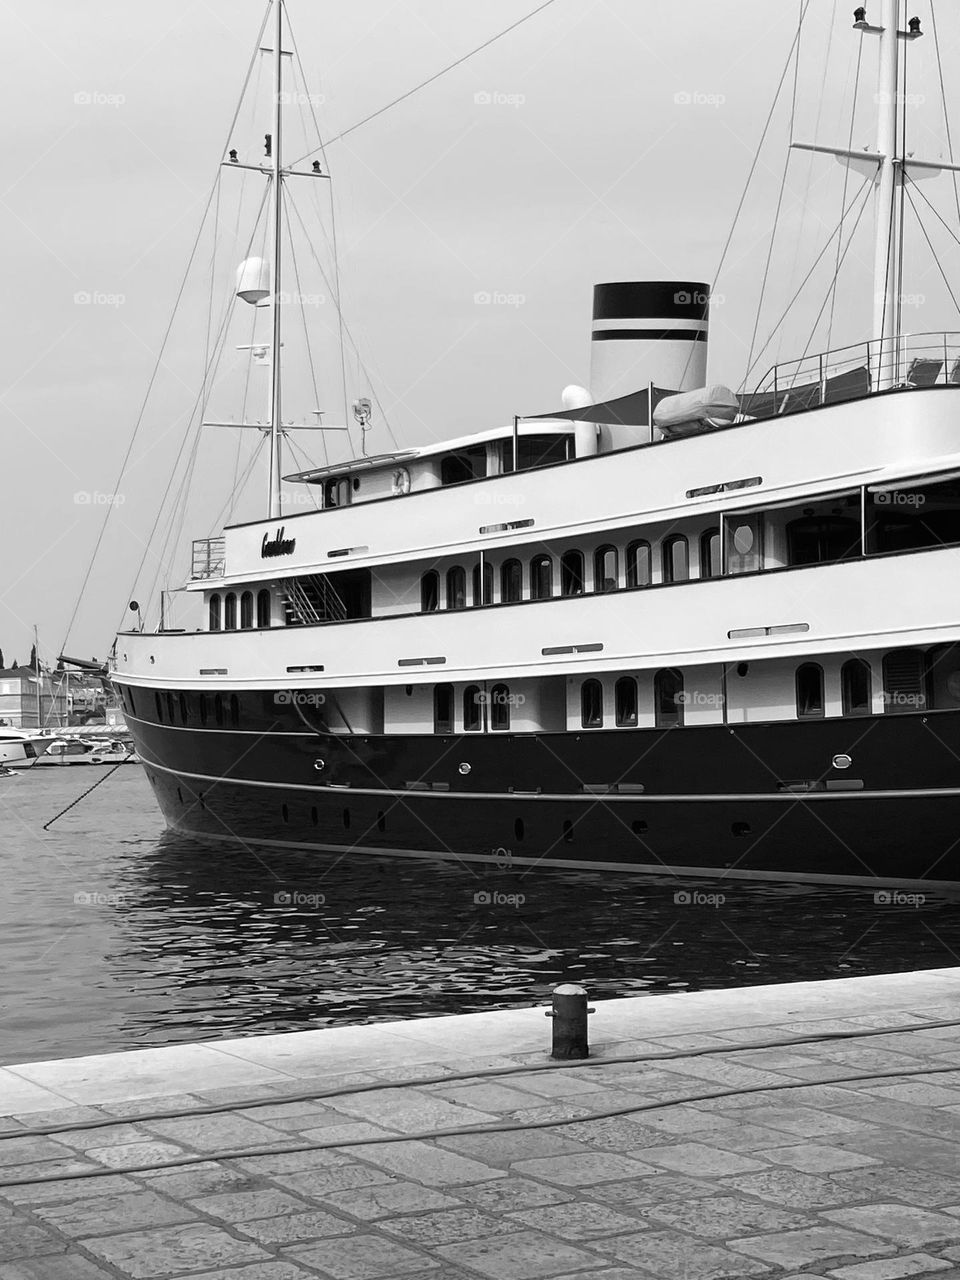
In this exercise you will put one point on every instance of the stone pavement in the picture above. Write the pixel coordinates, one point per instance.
(854, 1181)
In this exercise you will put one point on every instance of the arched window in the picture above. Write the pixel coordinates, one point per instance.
(668, 698)
(591, 704)
(234, 710)
(263, 608)
(710, 566)
(483, 583)
(215, 611)
(855, 688)
(472, 709)
(443, 708)
(229, 612)
(606, 569)
(499, 707)
(541, 578)
(571, 573)
(676, 559)
(246, 610)
(625, 698)
(456, 588)
(511, 581)
(810, 704)
(430, 591)
(218, 708)
(638, 564)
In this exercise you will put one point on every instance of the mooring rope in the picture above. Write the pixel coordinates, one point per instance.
(84, 794)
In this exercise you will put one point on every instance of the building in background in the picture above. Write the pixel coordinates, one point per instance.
(32, 701)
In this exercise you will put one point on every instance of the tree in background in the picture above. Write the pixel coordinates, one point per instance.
(33, 657)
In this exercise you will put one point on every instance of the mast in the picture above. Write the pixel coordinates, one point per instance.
(276, 214)
(36, 672)
(889, 176)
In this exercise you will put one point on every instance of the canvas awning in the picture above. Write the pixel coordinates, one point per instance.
(626, 411)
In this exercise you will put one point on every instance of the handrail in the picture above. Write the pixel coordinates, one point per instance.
(939, 347)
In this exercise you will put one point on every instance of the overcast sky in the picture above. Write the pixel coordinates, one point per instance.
(602, 140)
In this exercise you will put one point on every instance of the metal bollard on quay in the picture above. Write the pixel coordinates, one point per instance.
(569, 1014)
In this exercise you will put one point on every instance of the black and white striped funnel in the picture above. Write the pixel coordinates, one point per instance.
(648, 331)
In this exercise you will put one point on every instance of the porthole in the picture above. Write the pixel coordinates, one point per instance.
(408, 690)
(742, 669)
(842, 761)
(346, 819)
(740, 829)
(318, 764)
(463, 769)
(518, 828)
(638, 827)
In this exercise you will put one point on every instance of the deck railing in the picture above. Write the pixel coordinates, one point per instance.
(209, 558)
(850, 373)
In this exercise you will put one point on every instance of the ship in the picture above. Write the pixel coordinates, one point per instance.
(662, 627)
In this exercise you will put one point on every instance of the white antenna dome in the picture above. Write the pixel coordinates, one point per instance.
(253, 280)
(574, 397)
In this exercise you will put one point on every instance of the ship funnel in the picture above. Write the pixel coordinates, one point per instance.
(253, 280)
(648, 331)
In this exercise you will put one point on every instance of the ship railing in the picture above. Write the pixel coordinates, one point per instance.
(312, 598)
(854, 372)
(209, 558)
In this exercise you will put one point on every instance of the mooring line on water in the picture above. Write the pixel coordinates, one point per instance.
(84, 794)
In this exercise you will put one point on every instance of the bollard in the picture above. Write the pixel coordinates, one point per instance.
(569, 1014)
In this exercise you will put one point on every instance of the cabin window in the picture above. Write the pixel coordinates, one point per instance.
(638, 564)
(591, 704)
(606, 569)
(337, 491)
(170, 704)
(943, 677)
(472, 709)
(571, 573)
(822, 539)
(744, 544)
(668, 698)
(230, 612)
(499, 707)
(456, 588)
(234, 710)
(246, 610)
(203, 708)
(184, 717)
(430, 591)
(511, 581)
(483, 583)
(443, 708)
(468, 464)
(214, 623)
(915, 514)
(809, 685)
(855, 687)
(218, 708)
(904, 682)
(159, 705)
(625, 697)
(710, 565)
(541, 578)
(263, 608)
(676, 559)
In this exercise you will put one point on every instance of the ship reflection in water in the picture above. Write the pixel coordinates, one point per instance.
(121, 936)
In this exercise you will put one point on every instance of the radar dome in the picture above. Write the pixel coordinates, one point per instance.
(574, 397)
(253, 280)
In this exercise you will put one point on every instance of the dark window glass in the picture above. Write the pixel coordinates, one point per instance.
(430, 591)
(456, 588)
(676, 559)
(904, 682)
(499, 707)
(541, 578)
(218, 708)
(591, 704)
(443, 708)
(855, 687)
(626, 701)
(230, 612)
(710, 554)
(483, 583)
(468, 464)
(170, 712)
(822, 539)
(571, 573)
(263, 608)
(184, 717)
(913, 515)
(638, 564)
(606, 569)
(472, 709)
(215, 612)
(246, 610)
(159, 706)
(511, 581)
(809, 679)
(203, 708)
(668, 698)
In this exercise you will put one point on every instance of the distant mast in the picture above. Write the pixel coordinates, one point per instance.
(276, 213)
(889, 177)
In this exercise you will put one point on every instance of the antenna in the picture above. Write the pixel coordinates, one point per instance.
(276, 212)
(363, 411)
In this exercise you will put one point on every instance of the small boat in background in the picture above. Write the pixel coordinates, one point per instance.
(19, 749)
